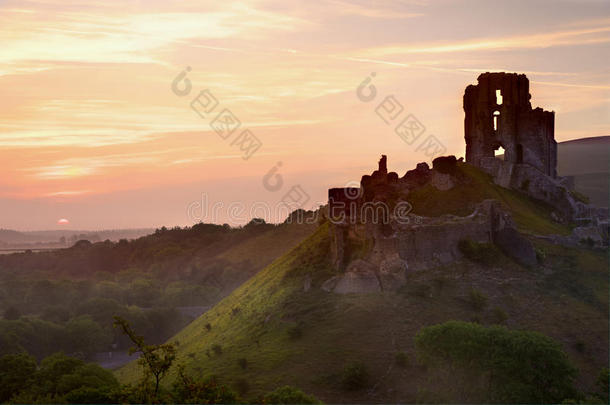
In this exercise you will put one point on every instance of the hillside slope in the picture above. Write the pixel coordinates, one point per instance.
(588, 161)
(289, 331)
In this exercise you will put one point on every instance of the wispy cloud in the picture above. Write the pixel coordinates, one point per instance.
(586, 36)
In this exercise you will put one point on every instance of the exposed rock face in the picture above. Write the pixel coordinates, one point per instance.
(392, 273)
(499, 114)
(359, 277)
(425, 243)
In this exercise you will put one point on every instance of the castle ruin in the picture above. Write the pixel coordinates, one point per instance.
(499, 114)
(373, 250)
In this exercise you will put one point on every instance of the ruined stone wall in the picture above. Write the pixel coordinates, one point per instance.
(499, 114)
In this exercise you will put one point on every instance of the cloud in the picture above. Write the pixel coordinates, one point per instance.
(585, 36)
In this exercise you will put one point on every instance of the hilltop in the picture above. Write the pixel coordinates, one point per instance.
(586, 160)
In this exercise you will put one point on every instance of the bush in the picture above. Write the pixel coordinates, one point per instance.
(354, 376)
(243, 363)
(217, 349)
(482, 253)
(289, 395)
(477, 299)
(295, 332)
(208, 391)
(540, 255)
(499, 315)
(495, 364)
(401, 359)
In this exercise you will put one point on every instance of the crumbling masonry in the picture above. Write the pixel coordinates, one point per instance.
(499, 114)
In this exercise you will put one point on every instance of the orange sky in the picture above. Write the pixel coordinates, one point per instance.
(91, 131)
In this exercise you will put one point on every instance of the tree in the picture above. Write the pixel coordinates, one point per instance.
(86, 336)
(156, 360)
(16, 374)
(495, 364)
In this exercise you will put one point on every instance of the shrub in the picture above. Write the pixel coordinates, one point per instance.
(401, 359)
(243, 363)
(499, 315)
(495, 364)
(295, 332)
(477, 299)
(217, 349)
(289, 395)
(540, 255)
(208, 391)
(354, 376)
(482, 253)
(208, 326)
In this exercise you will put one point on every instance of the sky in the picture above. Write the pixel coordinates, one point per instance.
(99, 127)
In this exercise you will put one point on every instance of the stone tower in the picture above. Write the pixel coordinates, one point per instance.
(499, 114)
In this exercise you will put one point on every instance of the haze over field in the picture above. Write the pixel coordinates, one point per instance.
(91, 132)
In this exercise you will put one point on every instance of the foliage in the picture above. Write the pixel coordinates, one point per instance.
(477, 299)
(483, 253)
(495, 364)
(354, 376)
(188, 391)
(288, 395)
(243, 362)
(16, 373)
(156, 360)
(401, 359)
(217, 349)
(540, 255)
(58, 379)
(499, 315)
(295, 332)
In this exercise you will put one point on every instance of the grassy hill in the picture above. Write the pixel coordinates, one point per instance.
(588, 161)
(289, 334)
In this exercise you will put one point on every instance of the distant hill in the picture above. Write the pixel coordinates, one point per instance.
(8, 236)
(587, 161)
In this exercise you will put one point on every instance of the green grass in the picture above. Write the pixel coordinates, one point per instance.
(529, 215)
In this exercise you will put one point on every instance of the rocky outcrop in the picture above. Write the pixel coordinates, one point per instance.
(427, 242)
(360, 277)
